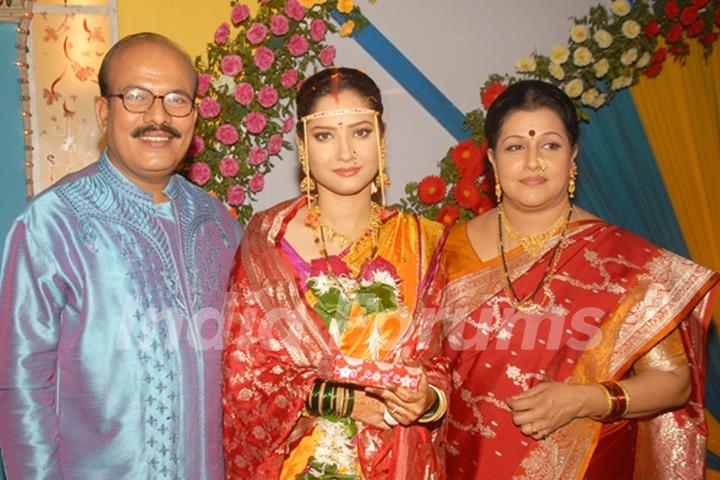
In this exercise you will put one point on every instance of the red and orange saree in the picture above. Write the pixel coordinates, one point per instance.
(615, 298)
(277, 346)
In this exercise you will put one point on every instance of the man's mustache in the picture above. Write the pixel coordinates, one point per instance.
(140, 131)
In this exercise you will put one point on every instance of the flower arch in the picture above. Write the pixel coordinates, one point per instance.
(607, 50)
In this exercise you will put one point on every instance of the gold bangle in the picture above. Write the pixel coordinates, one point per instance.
(441, 409)
(609, 403)
(627, 398)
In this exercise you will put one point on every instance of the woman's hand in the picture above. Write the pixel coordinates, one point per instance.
(369, 410)
(405, 405)
(546, 407)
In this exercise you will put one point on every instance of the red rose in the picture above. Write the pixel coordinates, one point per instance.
(652, 29)
(674, 34)
(659, 56)
(468, 157)
(709, 38)
(653, 70)
(700, 3)
(431, 189)
(332, 264)
(688, 15)
(678, 50)
(717, 18)
(448, 215)
(696, 28)
(485, 204)
(466, 193)
(671, 9)
(491, 93)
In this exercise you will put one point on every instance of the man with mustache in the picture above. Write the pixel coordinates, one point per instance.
(111, 291)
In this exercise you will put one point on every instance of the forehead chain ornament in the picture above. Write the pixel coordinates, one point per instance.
(337, 113)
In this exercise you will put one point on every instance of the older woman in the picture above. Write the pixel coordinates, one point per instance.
(577, 347)
(325, 284)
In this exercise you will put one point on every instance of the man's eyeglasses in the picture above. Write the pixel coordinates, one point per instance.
(141, 100)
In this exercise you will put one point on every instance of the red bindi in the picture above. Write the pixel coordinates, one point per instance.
(531, 133)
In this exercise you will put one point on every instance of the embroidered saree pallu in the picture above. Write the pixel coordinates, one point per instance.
(351, 317)
(615, 302)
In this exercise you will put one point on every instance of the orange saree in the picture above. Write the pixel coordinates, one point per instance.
(615, 298)
(278, 345)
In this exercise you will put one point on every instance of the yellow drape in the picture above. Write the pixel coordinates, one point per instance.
(191, 23)
(680, 110)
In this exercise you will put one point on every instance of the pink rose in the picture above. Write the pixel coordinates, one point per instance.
(317, 30)
(279, 25)
(378, 264)
(327, 55)
(197, 146)
(231, 65)
(264, 58)
(288, 124)
(297, 45)
(275, 144)
(229, 166)
(289, 78)
(256, 33)
(204, 81)
(227, 134)
(257, 156)
(244, 93)
(257, 183)
(199, 173)
(294, 10)
(255, 122)
(235, 195)
(209, 108)
(267, 96)
(333, 264)
(239, 13)
(222, 33)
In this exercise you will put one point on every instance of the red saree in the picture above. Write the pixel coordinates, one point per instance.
(615, 297)
(277, 346)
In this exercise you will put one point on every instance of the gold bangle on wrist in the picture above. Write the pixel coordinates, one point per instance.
(627, 398)
(441, 402)
(608, 397)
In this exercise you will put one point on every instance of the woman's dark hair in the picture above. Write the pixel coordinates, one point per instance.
(332, 81)
(529, 95)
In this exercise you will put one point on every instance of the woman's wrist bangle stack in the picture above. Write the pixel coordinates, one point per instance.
(618, 401)
(329, 398)
(438, 408)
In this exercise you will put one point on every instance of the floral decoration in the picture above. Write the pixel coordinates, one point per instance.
(607, 50)
(246, 90)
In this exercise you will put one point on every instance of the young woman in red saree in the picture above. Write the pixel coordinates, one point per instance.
(576, 348)
(325, 278)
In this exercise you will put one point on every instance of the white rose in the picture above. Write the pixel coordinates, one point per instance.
(599, 101)
(601, 67)
(620, 82)
(559, 54)
(644, 60)
(631, 29)
(582, 56)
(556, 71)
(603, 38)
(525, 65)
(589, 97)
(620, 7)
(628, 57)
(579, 33)
(574, 88)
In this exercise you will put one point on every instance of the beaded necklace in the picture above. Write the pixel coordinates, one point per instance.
(528, 303)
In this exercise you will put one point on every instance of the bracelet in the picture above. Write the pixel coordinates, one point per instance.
(609, 408)
(618, 401)
(627, 398)
(438, 408)
(311, 403)
(350, 404)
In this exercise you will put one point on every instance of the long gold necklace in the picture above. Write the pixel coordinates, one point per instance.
(528, 304)
(320, 225)
(533, 244)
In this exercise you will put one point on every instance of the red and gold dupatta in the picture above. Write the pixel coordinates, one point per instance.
(277, 346)
(615, 296)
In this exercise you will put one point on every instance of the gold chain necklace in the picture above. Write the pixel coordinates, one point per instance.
(318, 224)
(533, 244)
(528, 303)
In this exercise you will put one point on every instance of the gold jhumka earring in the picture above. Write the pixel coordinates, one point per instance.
(307, 185)
(571, 183)
(498, 190)
(382, 180)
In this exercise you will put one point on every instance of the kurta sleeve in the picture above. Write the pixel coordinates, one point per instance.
(31, 301)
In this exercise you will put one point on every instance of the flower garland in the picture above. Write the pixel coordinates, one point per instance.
(607, 50)
(247, 87)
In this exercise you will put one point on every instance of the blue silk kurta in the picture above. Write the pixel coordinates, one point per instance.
(111, 331)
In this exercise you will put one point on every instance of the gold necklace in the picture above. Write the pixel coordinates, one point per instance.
(318, 224)
(533, 244)
(528, 303)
